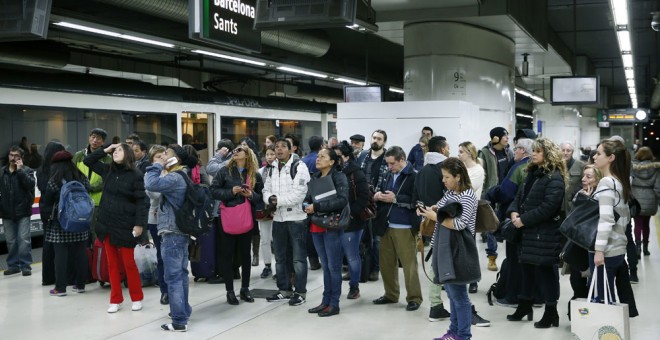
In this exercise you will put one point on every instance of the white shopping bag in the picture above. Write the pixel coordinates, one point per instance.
(147, 263)
(595, 321)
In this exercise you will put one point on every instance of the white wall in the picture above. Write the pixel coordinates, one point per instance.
(560, 124)
(403, 121)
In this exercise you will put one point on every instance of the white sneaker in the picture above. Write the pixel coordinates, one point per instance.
(137, 305)
(114, 307)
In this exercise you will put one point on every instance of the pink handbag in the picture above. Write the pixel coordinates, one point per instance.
(238, 219)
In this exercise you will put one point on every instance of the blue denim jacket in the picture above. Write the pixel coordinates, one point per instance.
(173, 188)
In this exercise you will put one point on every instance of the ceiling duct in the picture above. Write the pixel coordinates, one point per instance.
(177, 10)
(35, 53)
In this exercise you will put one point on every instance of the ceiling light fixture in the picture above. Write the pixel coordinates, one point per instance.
(229, 57)
(113, 34)
(530, 95)
(624, 40)
(308, 73)
(621, 21)
(350, 81)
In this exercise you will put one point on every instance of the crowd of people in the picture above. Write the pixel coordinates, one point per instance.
(340, 206)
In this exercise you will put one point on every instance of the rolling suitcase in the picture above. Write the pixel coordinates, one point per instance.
(204, 267)
(100, 271)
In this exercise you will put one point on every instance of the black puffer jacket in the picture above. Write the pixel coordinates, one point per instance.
(339, 202)
(539, 204)
(224, 181)
(358, 194)
(17, 192)
(122, 203)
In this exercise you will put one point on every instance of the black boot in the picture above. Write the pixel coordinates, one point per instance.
(231, 298)
(638, 247)
(245, 295)
(524, 308)
(645, 246)
(550, 317)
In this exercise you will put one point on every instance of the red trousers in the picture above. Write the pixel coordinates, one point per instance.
(125, 255)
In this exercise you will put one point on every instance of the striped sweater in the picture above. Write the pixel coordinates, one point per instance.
(611, 236)
(468, 200)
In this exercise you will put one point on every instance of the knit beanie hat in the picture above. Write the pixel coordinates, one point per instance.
(180, 153)
(498, 132)
(62, 156)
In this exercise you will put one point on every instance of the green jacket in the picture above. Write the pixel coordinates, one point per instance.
(95, 180)
(489, 162)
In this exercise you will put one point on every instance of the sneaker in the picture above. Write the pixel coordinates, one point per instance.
(373, 276)
(55, 292)
(473, 288)
(114, 307)
(296, 300)
(278, 297)
(353, 293)
(137, 305)
(12, 271)
(505, 303)
(438, 313)
(27, 272)
(78, 289)
(478, 321)
(449, 336)
(266, 272)
(174, 327)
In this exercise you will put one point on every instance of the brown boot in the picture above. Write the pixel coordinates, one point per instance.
(492, 265)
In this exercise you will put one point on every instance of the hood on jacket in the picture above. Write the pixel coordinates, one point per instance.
(433, 158)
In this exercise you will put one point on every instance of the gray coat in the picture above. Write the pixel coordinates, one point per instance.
(646, 186)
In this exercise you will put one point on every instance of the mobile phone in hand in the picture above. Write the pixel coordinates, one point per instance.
(245, 187)
(420, 205)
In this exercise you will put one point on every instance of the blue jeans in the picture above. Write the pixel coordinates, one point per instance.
(290, 234)
(491, 244)
(611, 265)
(153, 230)
(328, 246)
(174, 249)
(350, 243)
(461, 310)
(19, 243)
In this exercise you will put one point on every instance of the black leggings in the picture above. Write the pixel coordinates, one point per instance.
(545, 277)
(235, 245)
(66, 254)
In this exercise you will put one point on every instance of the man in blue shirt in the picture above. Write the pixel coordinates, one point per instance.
(315, 144)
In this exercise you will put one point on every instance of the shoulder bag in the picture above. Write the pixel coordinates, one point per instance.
(487, 221)
(581, 225)
(237, 219)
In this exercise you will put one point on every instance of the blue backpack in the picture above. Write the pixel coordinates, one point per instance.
(75, 210)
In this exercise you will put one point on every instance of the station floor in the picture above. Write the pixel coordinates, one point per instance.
(28, 312)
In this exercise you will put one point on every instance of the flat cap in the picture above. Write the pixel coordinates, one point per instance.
(357, 137)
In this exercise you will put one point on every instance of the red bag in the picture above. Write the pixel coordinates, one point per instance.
(100, 266)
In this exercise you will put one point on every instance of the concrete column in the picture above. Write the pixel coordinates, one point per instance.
(457, 61)
(559, 123)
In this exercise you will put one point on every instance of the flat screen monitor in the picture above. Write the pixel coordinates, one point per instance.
(574, 90)
(357, 94)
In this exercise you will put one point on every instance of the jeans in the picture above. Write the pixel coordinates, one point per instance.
(65, 255)
(491, 245)
(19, 243)
(350, 244)
(461, 310)
(611, 265)
(153, 230)
(328, 246)
(374, 247)
(174, 249)
(291, 234)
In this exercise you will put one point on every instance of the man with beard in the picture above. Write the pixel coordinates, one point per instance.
(375, 168)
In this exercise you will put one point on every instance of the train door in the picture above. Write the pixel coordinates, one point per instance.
(198, 129)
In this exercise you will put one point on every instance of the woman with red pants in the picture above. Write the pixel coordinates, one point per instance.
(121, 217)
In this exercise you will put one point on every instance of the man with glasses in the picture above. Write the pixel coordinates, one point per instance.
(17, 184)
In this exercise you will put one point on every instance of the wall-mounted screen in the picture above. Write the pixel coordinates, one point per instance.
(356, 94)
(574, 90)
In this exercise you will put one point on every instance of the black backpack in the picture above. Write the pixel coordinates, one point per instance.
(294, 170)
(195, 215)
(498, 289)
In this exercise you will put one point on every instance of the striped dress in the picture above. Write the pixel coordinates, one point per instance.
(611, 236)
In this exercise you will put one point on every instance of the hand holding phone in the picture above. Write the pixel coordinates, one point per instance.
(420, 206)
(245, 187)
(171, 162)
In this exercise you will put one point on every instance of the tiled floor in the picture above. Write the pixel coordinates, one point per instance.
(28, 312)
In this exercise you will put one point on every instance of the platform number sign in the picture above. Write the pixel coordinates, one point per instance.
(458, 83)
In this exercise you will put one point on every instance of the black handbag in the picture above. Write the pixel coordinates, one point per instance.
(581, 224)
(575, 256)
(509, 232)
(333, 220)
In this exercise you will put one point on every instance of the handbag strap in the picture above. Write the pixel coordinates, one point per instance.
(421, 257)
(397, 192)
(617, 193)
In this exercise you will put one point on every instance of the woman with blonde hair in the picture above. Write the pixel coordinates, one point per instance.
(238, 186)
(467, 153)
(536, 212)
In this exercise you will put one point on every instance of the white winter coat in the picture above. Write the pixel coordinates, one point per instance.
(290, 192)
